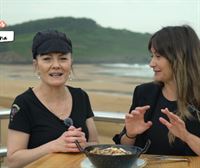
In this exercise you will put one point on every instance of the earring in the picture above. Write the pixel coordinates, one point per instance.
(38, 75)
(69, 77)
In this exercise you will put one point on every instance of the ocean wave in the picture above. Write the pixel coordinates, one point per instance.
(137, 70)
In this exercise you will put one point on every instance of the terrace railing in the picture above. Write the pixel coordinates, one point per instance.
(114, 117)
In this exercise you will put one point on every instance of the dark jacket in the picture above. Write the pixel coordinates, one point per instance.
(144, 94)
(151, 94)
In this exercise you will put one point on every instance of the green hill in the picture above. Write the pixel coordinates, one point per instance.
(92, 43)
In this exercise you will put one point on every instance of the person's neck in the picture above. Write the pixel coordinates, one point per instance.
(169, 91)
(51, 93)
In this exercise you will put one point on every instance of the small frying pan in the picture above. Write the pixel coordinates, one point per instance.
(114, 161)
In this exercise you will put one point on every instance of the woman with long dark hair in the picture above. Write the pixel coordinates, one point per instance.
(167, 111)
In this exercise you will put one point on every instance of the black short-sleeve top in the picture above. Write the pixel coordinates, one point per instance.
(30, 116)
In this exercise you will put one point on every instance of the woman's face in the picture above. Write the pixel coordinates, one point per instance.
(53, 68)
(161, 67)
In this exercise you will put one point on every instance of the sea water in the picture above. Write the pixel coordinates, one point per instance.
(129, 70)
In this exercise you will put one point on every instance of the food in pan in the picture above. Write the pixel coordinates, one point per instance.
(110, 151)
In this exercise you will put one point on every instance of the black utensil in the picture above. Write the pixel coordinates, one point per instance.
(146, 147)
(80, 148)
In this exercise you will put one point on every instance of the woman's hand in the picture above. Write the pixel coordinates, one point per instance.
(65, 143)
(175, 125)
(135, 123)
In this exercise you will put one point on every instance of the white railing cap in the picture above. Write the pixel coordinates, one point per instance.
(3, 152)
(98, 115)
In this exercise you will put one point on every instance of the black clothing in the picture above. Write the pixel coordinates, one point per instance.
(151, 94)
(29, 115)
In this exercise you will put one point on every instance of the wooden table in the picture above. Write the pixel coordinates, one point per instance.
(61, 160)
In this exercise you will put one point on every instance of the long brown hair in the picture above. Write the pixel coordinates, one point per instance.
(180, 45)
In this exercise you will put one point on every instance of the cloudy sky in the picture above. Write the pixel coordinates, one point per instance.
(134, 15)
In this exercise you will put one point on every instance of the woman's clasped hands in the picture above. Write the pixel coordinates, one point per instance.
(65, 143)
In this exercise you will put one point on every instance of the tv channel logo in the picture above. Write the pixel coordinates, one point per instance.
(6, 36)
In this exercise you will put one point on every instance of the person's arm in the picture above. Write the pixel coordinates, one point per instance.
(92, 131)
(18, 154)
(193, 142)
(177, 127)
(128, 140)
(93, 135)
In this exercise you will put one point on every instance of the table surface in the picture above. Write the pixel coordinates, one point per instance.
(66, 160)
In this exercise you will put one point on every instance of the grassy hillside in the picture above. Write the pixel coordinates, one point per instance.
(91, 42)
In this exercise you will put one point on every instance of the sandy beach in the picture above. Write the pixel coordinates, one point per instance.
(106, 92)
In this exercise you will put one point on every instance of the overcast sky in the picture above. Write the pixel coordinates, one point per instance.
(135, 15)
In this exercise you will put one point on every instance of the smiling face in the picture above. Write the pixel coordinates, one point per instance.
(53, 68)
(161, 67)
